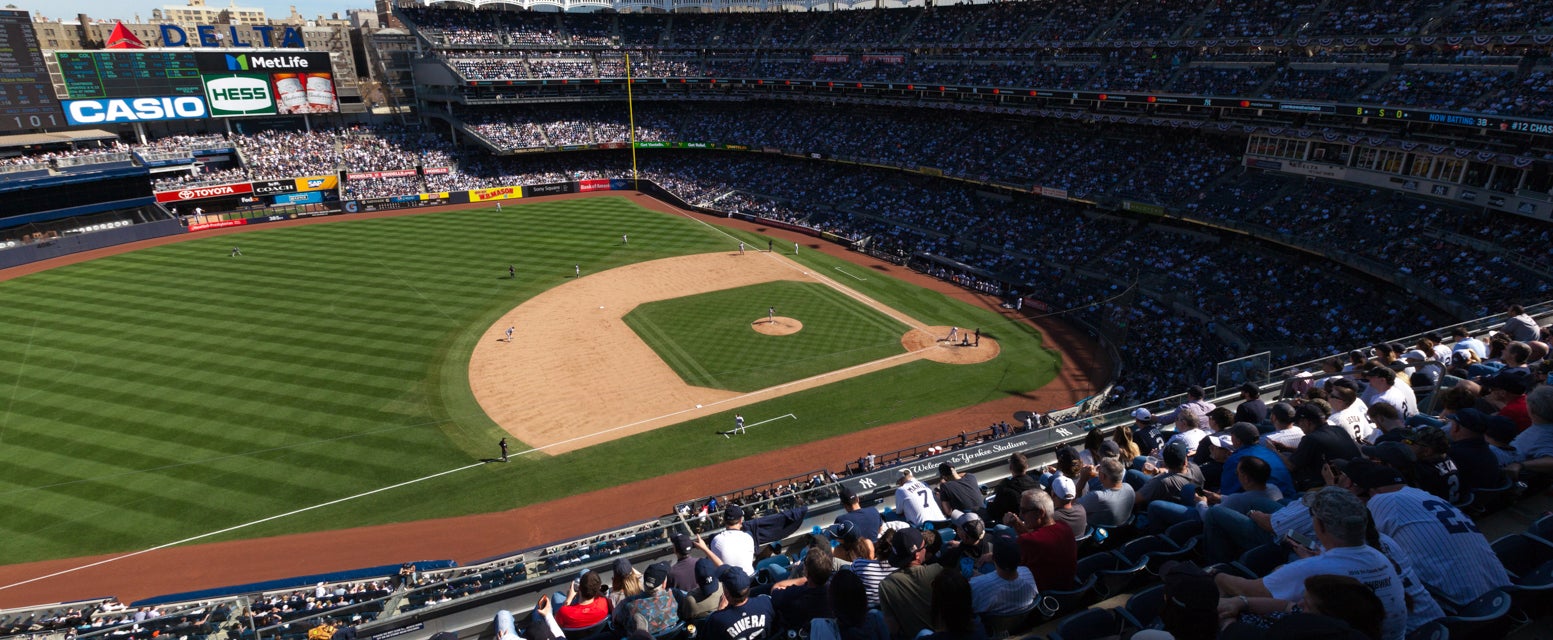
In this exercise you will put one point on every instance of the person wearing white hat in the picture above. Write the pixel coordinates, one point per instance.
(1144, 432)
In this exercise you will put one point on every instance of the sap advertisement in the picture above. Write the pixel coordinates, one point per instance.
(113, 110)
(265, 84)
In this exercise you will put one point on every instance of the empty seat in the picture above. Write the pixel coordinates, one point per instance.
(1090, 625)
(1262, 560)
(1143, 608)
(1486, 617)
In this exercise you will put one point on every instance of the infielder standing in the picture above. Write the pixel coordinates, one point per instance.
(738, 423)
(509, 334)
(741, 248)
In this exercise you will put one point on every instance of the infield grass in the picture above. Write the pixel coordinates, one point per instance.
(707, 338)
(162, 394)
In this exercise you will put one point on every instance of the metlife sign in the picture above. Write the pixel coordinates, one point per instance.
(116, 110)
(240, 94)
(261, 62)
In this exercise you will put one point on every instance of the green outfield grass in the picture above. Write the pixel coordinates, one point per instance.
(166, 393)
(708, 341)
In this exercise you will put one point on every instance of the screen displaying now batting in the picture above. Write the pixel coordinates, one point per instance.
(281, 83)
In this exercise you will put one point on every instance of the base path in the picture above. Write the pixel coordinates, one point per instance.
(1083, 372)
(573, 347)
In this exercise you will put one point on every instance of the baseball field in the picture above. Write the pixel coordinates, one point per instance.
(358, 372)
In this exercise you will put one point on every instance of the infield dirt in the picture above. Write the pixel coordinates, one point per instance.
(571, 348)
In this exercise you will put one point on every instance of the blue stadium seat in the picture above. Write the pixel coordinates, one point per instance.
(1542, 528)
(1262, 560)
(1487, 616)
(1014, 623)
(1052, 604)
(1144, 607)
(1433, 631)
(1103, 567)
(1093, 624)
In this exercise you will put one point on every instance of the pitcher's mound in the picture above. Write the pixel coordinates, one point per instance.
(936, 349)
(778, 326)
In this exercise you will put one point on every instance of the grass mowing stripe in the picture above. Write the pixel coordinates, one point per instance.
(672, 353)
(237, 360)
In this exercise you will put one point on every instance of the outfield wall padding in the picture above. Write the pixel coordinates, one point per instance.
(67, 245)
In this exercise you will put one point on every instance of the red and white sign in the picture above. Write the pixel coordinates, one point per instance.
(200, 193)
(830, 58)
(219, 224)
(585, 186)
(374, 175)
(437, 171)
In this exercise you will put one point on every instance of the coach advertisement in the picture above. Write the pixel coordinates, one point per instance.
(272, 187)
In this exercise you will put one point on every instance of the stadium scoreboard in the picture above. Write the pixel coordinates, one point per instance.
(26, 96)
(121, 74)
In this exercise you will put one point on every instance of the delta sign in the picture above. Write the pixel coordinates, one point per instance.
(229, 36)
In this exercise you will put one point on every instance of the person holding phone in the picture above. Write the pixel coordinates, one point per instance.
(584, 604)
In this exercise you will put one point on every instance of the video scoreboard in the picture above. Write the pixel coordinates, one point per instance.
(26, 96)
(129, 74)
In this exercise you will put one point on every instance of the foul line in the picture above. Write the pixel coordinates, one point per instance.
(241, 526)
(860, 279)
(752, 425)
(846, 291)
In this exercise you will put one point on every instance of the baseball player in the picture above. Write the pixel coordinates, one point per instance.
(236, 252)
(503, 442)
(624, 240)
(954, 332)
(509, 334)
(770, 315)
(768, 245)
(498, 206)
(512, 272)
(741, 248)
(795, 248)
(978, 337)
(738, 423)
(577, 269)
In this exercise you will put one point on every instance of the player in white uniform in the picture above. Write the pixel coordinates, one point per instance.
(915, 501)
(1448, 552)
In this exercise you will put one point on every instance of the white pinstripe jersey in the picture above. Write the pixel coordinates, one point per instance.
(1448, 552)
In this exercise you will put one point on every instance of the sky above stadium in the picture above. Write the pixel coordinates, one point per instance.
(118, 9)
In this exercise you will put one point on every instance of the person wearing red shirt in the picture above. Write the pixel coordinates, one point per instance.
(1507, 390)
(1046, 546)
(585, 604)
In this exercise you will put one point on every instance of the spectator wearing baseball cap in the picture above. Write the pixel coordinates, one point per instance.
(1246, 441)
(970, 546)
(906, 596)
(1196, 403)
(734, 546)
(654, 611)
(1005, 498)
(1386, 388)
(1046, 546)
(705, 595)
(682, 574)
(1507, 390)
(1144, 431)
(1009, 589)
(866, 520)
(1251, 409)
(1323, 442)
(1499, 434)
(1447, 551)
(1476, 466)
(744, 617)
(1067, 510)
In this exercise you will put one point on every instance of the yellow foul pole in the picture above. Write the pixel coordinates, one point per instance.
(631, 110)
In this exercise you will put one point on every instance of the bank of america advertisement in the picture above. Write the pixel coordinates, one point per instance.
(251, 84)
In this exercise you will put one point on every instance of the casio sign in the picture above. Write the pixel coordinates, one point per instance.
(238, 94)
(134, 109)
